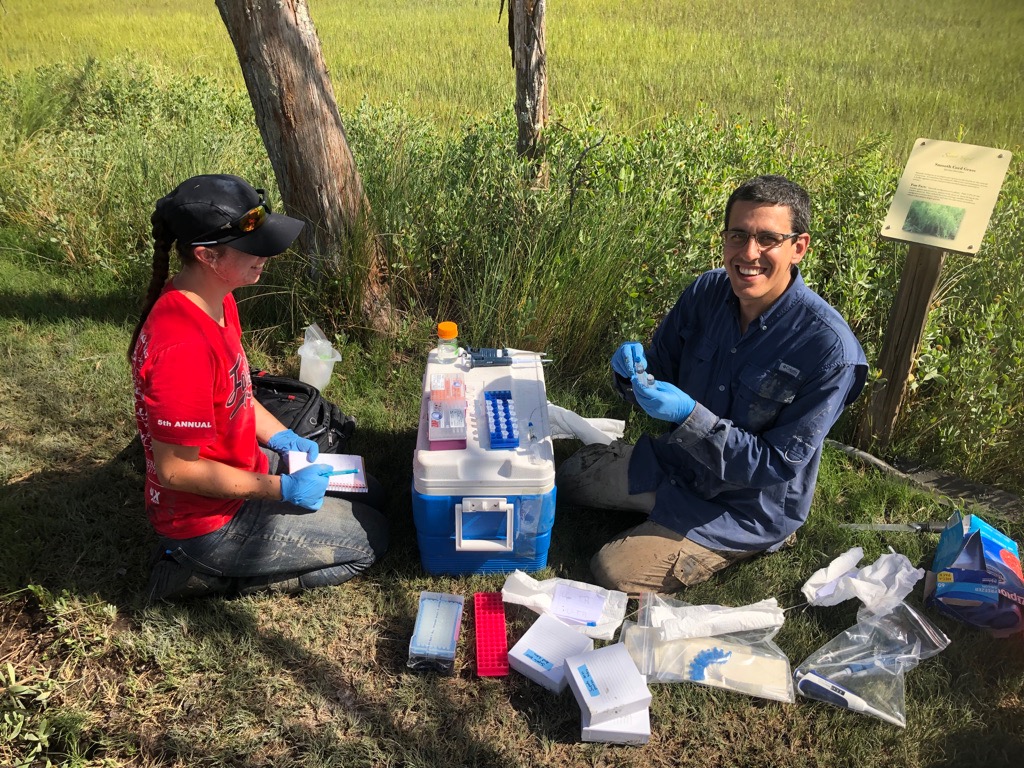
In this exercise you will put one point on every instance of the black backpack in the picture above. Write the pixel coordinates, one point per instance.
(301, 408)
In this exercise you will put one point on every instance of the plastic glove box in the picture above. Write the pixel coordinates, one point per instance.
(487, 507)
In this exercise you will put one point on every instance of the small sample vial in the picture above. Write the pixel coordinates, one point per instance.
(533, 446)
(645, 378)
(447, 342)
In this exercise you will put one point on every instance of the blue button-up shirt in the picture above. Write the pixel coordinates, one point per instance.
(739, 473)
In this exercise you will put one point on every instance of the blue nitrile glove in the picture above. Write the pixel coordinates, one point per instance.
(663, 401)
(626, 357)
(286, 440)
(306, 488)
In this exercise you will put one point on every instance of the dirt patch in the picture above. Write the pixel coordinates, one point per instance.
(25, 634)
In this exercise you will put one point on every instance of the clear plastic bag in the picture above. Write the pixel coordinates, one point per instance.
(530, 520)
(744, 661)
(589, 609)
(863, 668)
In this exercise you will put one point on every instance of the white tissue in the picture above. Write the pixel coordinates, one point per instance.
(821, 588)
(885, 582)
(567, 424)
(680, 622)
(888, 580)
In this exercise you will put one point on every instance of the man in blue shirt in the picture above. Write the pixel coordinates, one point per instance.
(751, 368)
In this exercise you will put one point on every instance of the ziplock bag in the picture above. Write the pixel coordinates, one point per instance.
(863, 668)
(746, 660)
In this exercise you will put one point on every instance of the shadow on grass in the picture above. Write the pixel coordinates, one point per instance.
(345, 696)
(81, 528)
(117, 307)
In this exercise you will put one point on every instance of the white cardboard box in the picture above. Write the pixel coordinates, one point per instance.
(607, 684)
(541, 652)
(630, 729)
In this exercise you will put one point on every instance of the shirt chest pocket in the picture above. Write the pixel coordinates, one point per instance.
(696, 363)
(760, 395)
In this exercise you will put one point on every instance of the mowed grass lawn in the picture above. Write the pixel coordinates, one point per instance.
(94, 677)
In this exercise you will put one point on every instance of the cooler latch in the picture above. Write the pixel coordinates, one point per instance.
(478, 525)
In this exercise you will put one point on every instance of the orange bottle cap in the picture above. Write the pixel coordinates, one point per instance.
(447, 330)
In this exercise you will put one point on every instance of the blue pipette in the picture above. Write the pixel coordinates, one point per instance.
(814, 686)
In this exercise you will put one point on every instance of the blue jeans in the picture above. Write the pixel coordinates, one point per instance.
(275, 544)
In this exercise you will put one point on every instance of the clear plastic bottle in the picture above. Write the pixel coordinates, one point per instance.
(447, 342)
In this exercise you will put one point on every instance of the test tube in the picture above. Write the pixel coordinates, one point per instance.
(643, 377)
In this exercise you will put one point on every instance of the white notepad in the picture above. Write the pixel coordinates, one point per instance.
(607, 684)
(354, 479)
(628, 729)
(541, 652)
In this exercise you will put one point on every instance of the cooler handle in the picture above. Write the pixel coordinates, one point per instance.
(474, 505)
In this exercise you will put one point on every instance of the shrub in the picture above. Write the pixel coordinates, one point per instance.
(592, 251)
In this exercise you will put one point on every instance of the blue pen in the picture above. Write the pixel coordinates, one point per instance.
(339, 472)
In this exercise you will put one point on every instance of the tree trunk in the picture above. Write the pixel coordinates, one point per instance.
(297, 114)
(527, 39)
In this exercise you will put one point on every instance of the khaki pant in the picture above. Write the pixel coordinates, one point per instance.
(648, 557)
(652, 558)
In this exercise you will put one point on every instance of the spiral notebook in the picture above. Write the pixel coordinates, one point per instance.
(352, 481)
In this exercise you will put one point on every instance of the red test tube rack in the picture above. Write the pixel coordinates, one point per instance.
(491, 638)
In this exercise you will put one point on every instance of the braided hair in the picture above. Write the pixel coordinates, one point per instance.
(163, 237)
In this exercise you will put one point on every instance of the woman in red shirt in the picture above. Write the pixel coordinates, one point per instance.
(227, 521)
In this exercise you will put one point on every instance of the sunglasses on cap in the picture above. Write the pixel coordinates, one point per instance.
(248, 222)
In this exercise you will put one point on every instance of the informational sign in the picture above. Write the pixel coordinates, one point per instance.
(946, 195)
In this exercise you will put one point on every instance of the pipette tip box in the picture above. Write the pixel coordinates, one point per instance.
(436, 634)
(541, 652)
(491, 635)
(607, 684)
(629, 729)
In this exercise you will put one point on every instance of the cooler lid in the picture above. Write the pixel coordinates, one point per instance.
(478, 469)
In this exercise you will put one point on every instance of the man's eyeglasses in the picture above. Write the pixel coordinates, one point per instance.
(248, 222)
(737, 238)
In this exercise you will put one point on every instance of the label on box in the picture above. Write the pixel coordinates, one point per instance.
(539, 660)
(588, 680)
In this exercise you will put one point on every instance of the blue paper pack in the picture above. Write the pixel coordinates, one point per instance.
(976, 576)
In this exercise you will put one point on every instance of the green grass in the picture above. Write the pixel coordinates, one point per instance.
(943, 69)
(320, 679)
(87, 145)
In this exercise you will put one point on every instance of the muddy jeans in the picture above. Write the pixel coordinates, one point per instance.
(276, 545)
(648, 557)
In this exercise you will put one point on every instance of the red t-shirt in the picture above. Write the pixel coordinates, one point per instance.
(192, 388)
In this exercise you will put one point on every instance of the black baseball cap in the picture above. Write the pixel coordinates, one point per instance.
(215, 209)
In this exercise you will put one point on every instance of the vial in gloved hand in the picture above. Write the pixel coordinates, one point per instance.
(645, 379)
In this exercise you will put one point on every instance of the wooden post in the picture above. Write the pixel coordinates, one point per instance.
(529, 58)
(907, 320)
